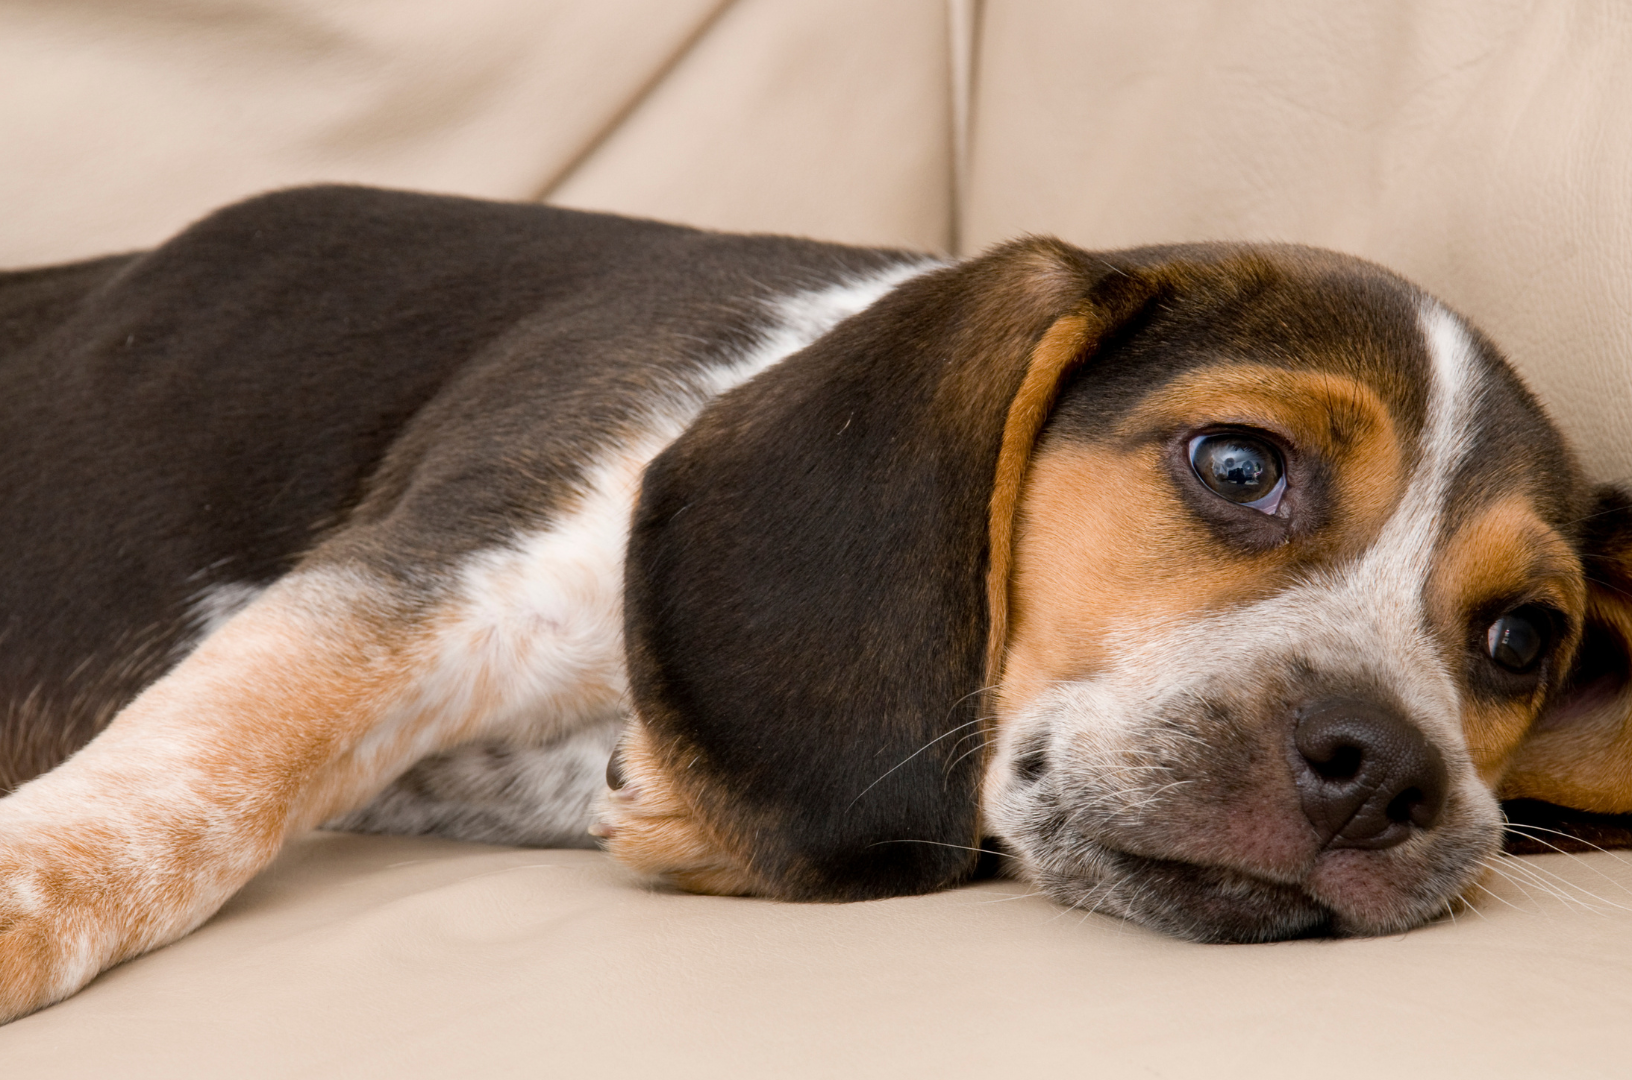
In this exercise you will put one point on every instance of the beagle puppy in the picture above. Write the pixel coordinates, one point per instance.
(1223, 588)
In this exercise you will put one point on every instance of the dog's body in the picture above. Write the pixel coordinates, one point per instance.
(186, 469)
(1218, 587)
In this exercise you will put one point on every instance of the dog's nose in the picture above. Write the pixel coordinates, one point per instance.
(1366, 777)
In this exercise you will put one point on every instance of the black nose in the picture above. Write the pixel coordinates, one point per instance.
(1366, 777)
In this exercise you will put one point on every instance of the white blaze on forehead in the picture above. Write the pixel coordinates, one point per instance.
(1375, 608)
(1404, 550)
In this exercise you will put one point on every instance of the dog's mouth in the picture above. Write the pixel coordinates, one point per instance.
(1209, 864)
(1338, 893)
(1211, 904)
(1240, 817)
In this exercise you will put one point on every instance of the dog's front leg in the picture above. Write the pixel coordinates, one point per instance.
(302, 705)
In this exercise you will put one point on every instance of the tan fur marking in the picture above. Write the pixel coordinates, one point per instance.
(1505, 552)
(1587, 765)
(1342, 418)
(1060, 346)
(303, 705)
(1105, 545)
(650, 826)
(1085, 567)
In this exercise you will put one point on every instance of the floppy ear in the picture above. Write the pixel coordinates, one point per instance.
(817, 579)
(1577, 758)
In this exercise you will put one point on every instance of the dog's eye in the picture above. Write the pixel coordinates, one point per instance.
(1516, 640)
(1241, 468)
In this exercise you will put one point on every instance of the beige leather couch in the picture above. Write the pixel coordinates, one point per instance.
(1480, 147)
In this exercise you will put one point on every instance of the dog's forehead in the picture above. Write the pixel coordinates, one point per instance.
(1291, 308)
(1315, 312)
(1512, 449)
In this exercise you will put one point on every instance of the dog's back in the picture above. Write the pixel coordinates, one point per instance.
(181, 426)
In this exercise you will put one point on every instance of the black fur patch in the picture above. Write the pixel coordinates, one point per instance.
(359, 374)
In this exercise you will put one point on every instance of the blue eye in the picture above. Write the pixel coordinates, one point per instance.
(1245, 470)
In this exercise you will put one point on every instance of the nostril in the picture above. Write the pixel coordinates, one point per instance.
(1366, 777)
(1415, 806)
(1343, 764)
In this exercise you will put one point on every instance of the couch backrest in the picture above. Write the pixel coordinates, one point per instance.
(1479, 146)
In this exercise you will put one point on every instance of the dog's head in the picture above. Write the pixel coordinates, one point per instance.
(1224, 587)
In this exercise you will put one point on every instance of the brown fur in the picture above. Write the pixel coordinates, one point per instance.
(1505, 550)
(1061, 347)
(1104, 543)
(650, 826)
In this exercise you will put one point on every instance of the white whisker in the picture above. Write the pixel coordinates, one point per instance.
(908, 758)
(1502, 899)
(1541, 874)
(1519, 828)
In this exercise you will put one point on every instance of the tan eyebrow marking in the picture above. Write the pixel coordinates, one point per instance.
(1341, 418)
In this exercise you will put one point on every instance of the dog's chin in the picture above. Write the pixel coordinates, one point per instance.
(1218, 904)
(1189, 900)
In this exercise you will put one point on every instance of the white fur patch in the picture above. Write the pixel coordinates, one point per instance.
(1375, 608)
(1395, 570)
(538, 796)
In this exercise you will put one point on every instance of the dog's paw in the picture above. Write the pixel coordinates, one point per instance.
(52, 940)
(77, 898)
(649, 826)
